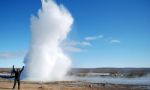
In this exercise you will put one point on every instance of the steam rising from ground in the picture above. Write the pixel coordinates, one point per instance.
(45, 60)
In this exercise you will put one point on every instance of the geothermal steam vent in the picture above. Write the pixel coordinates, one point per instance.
(45, 59)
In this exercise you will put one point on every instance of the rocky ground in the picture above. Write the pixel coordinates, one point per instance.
(68, 85)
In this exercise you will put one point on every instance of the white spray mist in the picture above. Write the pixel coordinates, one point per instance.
(45, 60)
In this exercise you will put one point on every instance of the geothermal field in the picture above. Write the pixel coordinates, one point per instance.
(82, 79)
(49, 67)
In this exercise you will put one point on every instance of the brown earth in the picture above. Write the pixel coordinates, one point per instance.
(67, 85)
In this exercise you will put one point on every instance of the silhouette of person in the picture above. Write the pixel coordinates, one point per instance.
(17, 74)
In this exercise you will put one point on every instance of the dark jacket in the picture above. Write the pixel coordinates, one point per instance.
(17, 73)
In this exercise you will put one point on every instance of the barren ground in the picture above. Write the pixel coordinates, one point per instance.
(67, 85)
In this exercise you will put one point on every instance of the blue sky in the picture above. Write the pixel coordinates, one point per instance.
(105, 33)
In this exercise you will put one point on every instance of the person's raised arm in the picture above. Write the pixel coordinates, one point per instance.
(22, 69)
(13, 70)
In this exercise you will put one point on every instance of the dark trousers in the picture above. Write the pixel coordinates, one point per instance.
(15, 81)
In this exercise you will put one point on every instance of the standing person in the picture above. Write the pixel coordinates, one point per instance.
(17, 74)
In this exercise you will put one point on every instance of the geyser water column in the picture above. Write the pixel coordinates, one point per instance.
(45, 60)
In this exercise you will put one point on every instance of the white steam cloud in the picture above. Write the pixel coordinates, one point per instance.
(45, 60)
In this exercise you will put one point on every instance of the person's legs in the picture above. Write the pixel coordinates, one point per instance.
(18, 84)
(14, 83)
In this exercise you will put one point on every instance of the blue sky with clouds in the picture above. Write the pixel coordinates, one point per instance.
(105, 33)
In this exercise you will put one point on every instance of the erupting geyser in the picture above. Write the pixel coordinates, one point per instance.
(45, 60)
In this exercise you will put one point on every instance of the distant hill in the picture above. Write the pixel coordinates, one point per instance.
(5, 70)
(98, 70)
(109, 70)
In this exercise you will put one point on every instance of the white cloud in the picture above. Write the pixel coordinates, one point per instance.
(101, 36)
(76, 43)
(85, 43)
(79, 46)
(70, 43)
(72, 49)
(11, 55)
(115, 41)
(75, 46)
(91, 38)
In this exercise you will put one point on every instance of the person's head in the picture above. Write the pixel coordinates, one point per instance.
(18, 69)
